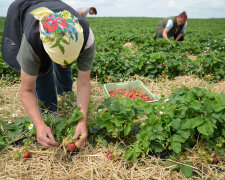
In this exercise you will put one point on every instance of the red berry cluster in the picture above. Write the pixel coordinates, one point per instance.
(133, 93)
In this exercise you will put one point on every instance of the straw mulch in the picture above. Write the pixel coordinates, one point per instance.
(91, 162)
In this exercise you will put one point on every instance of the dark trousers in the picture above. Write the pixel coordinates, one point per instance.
(56, 81)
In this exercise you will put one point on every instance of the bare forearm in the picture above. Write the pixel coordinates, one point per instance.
(179, 36)
(165, 36)
(30, 105)
(83, 97)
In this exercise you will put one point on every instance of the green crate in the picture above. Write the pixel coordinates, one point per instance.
(129, 85)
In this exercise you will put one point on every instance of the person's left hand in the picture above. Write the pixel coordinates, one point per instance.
(81, 130)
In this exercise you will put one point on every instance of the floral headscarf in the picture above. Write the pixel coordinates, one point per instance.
(61, 34)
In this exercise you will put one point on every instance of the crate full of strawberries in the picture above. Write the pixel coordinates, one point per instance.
(129, 89)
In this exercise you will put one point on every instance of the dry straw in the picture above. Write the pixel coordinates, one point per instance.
(91, 162)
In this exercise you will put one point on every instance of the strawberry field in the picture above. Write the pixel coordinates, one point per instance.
(180, 136)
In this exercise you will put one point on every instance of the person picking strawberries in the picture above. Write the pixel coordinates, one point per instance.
(174, 26)
(41, 40)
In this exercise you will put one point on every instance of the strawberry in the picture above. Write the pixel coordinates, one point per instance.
(66, 142)
(78, 143)
(16, 156)
(110, 156)
(71, 147)
(214, 159)
(26, 155)
(81, 137)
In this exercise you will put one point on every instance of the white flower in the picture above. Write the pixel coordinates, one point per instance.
(166, 100)
(215, 41)
(14, 115)
(9, 122)
(160, 112)
(46, 111)
(30, 126)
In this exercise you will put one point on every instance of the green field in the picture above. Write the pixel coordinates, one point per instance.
(180, 136)
(204, 40)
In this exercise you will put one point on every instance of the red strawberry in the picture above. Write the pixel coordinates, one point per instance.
(110, 156)
(214, 159)
(71, 147)
(26, 155)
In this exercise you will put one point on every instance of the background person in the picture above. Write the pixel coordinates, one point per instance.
(174, 26)
(41, 38)
(83, 11)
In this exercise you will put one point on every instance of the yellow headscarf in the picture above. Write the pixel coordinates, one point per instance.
(61, 34)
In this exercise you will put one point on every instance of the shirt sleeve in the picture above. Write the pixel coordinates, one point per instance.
(28, 60)
(184, 28)
(169, 24)
(86, 58)
(85, 11)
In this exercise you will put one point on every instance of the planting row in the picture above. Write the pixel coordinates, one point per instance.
(168, 125)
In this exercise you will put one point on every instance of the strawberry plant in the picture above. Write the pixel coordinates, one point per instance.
(165, 126)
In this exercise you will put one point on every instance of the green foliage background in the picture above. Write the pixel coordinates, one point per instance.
(205, 39)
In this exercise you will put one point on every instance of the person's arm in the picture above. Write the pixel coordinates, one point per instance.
(179, 36)
(84, 12)
(169, 25)
(182, 32)
(83, 99)
(81, 14)
(29, 101)
(164, 34)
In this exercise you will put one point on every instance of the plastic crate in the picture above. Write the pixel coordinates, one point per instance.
(129, 85)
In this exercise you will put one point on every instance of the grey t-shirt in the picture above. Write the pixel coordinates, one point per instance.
(84, 10)
(30, 62)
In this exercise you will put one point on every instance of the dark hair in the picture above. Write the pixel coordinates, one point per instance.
(94, 9)
(183, 15)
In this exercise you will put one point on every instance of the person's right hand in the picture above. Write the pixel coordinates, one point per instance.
(45, 137)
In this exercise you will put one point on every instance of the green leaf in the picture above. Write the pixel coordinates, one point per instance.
(186, 170)
(223, 132)
(176, 123)
(127, 129)
(137, 148)
(185, 133)
(195, 105)
(196, 122)
(206, 129)
(76, 116)
(219, 107)
(14, 134)
(104, 143)
(156, 147)
(186, 124)
(129, 154)
(134, 157)
(177, 138)
(61, 126)
(176, 146)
